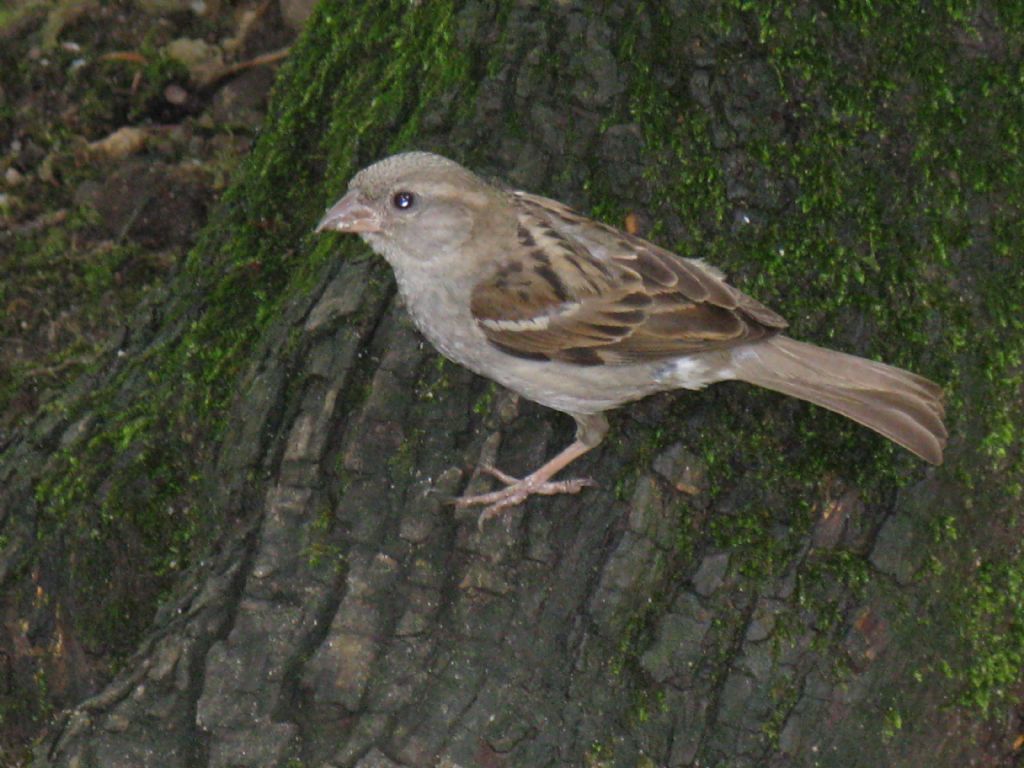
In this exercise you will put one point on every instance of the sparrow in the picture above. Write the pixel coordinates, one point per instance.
(583, 317)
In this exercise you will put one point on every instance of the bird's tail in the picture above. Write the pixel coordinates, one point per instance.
(902, 406)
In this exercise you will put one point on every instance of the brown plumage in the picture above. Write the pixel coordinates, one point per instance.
(583, 317)
(637, 304)
(902, 406)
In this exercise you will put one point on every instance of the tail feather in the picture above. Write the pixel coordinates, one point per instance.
(902, 406)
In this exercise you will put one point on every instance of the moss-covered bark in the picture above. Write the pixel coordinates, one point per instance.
(822, 599)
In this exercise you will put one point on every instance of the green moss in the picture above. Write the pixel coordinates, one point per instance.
(893, 724)
(902, 187)
(990, 622)
(599, 755)
(890, 239)
(435, 382)
(485, 402)
(322, 550)
(402, 463)
(680, 160)
(636, 454)
(139, 470)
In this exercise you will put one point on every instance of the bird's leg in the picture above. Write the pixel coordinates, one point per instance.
(590, 431)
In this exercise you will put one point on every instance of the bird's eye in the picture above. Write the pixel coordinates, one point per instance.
(403, 201)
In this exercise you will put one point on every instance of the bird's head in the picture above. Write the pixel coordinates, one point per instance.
(415, 205)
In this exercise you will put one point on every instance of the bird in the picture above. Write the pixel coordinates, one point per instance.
(582, 317)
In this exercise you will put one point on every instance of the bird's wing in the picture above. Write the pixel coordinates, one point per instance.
(582, 292)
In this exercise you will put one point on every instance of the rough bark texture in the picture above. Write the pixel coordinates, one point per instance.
(755, 582)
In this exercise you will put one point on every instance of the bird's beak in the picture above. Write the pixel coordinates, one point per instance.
(350, 214)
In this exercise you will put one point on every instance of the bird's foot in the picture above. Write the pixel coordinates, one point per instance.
(516, 491)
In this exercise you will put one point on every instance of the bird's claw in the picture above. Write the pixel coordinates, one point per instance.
(516, 491)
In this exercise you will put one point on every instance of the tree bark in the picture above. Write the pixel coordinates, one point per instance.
(754, 581)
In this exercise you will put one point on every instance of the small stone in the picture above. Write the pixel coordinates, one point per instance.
(897, 550)
(484, 577)
(295, 12)
(165, 661)
(678, 645)
(175, 94)
(126, 140)
(13, 177)
(830, 526)
(202, 59)
(791, 737)
(506, 407)
(339, 670)
(116, 723)
(868, 637)
(45, 171)
(683, 469)
(700, 88)
(645, 507)
(736, 699)
(711, 574)
(761, 623)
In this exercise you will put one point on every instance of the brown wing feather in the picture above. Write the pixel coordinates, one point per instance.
(583, 292)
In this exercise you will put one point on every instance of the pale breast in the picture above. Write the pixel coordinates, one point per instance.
(440, 309)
